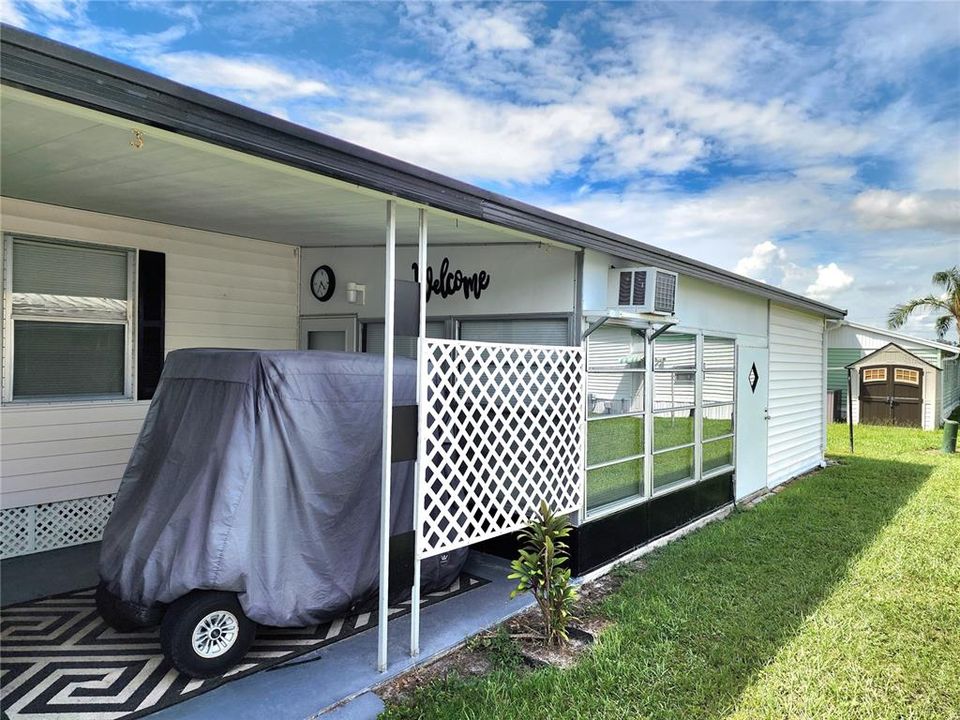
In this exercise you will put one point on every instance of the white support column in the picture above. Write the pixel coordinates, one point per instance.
(420, 471)
(389, 277)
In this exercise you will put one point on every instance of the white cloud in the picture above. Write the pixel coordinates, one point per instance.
(11, 14)
(830, 281)
(253, 80)
(890, 210)
(827, 174)
(473, 138)
(55, 9)
(490, 31)
(758, 263)
(719, 226)
(655, 146)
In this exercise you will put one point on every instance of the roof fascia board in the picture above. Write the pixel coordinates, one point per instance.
(39, 65)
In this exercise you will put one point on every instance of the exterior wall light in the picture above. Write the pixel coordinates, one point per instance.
(356, 293)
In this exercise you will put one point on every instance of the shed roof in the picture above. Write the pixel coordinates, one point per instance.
(877, 355)
(55, 70)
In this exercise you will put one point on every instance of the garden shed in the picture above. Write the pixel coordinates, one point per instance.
(850, 343)
(634, 388)
(892, 386)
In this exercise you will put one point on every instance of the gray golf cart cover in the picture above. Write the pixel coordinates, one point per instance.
(258, 472)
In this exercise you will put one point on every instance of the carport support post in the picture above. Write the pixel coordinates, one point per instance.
(850, 405)
(389, 278)
(419, 471)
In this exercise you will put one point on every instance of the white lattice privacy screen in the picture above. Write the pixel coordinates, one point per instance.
(36, 528)
(504, 430)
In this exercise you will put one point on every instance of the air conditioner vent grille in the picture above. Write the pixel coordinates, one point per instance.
(623, 295)
(639, 288)
(665, 293)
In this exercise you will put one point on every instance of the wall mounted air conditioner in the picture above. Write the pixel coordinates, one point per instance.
(644, 290)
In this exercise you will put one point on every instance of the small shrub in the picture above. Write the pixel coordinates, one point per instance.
(539, 570)
(498, 646)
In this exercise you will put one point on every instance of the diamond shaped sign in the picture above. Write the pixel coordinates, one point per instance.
(753, 378)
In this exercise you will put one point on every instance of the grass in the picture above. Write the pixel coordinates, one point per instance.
(620, 437)
(837, 598)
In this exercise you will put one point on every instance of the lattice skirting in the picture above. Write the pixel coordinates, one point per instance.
(61, 662)
(48, 526)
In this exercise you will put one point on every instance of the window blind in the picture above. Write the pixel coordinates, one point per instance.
(55, 359)
(49, 268)
(404, 346)
(531, 331)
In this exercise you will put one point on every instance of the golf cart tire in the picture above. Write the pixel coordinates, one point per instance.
(180, 625)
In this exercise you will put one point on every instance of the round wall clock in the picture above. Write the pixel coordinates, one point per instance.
(322, 283)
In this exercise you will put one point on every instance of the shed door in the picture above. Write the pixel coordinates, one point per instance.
(891, 395)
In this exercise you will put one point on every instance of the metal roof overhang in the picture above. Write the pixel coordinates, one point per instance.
(58, 71)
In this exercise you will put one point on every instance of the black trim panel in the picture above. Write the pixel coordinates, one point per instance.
(600, 541)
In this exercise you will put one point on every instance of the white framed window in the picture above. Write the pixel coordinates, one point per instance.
(68, 322)
(875, 374)
(642, 441)
(718, 405)
(906, 375)
(674, 409)
(616, 439)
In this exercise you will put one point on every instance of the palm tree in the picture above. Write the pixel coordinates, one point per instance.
(948, 303)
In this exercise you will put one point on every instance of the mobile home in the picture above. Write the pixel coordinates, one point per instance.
(140, 216)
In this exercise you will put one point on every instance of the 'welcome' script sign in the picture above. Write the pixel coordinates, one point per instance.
(450, 283)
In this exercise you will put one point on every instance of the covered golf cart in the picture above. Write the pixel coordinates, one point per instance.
(252, 497)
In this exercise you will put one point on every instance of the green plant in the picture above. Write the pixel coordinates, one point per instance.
(498, 646)
(948, 303)
(539, 570)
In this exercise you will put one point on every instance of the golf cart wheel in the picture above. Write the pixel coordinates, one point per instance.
(206, 633)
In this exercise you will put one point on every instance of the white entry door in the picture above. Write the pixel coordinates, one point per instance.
(751, 422)
(329, 333)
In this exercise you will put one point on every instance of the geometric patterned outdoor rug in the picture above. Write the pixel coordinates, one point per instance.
(60, 661)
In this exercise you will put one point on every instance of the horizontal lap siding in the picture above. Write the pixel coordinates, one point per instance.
(222, 291)
(796, 393)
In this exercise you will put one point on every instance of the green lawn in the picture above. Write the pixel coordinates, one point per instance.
(837, 598)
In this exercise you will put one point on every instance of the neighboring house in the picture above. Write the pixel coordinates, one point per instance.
(140, 216)
(854, 346)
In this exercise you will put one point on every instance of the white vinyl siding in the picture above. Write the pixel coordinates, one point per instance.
(222, 291)
(796, 394)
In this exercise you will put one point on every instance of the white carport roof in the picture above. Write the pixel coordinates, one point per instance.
(63, 154)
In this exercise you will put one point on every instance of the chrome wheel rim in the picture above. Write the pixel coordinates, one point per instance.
(215, 634)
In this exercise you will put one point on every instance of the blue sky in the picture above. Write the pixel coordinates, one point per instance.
(813, 146)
